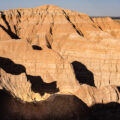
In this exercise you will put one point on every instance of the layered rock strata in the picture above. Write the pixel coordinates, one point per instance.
(24, 66)
(77, 37)
(59, 49)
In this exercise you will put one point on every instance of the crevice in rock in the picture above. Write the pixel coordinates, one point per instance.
(19, 14)
(67, 17)
(8, 30)
(49, 35)
(95, 23)
(51, 31)
(36, 47)
(48, 43)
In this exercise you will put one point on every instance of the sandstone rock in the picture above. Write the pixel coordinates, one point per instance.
(108, 25)
(47, 71)
(91, 95)
(18, 86)
(92, 41)
(65, 37)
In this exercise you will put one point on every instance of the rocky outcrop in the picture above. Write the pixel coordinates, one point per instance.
(18, 86)
(91, 95)
(97, 58)
(42, 71)
(108, 25)
(93, 42)
(40, 43)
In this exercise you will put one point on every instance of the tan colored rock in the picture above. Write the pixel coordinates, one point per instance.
(72, 36)
(18, 86)
(45, 68)
(101, 58)
(108, 25)
(91, 95)
(39, 26)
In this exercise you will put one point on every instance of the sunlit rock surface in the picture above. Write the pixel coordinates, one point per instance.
(49, 50)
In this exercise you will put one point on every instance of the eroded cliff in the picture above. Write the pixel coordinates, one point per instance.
(56, 50)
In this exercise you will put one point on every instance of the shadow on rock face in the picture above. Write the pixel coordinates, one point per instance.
(118, 88)
(110, 111)
(56, 107)
(10, 67)
(37, 84)
(35, 47)
(8, 29)
(83, 75)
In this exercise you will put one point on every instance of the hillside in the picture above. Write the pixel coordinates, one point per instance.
(48, 50)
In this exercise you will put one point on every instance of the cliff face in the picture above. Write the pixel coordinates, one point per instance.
(60, 49)
(45, 71)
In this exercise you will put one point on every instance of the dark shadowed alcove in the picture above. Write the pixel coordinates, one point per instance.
(36, 47)
(38, 85)
(83, 75)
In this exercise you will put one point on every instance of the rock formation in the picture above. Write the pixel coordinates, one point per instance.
(18, 86)
(49, 50)
(108, 25)
(46, 68)
(91, 95)
(91, 41)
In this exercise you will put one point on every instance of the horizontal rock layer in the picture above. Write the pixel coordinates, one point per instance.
(92, 41)
(51, 46)
(91, 95)
(46, 71)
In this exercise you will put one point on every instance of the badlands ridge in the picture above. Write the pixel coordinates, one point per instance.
(47, 51)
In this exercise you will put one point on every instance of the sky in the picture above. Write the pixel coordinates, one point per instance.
(90, 7)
